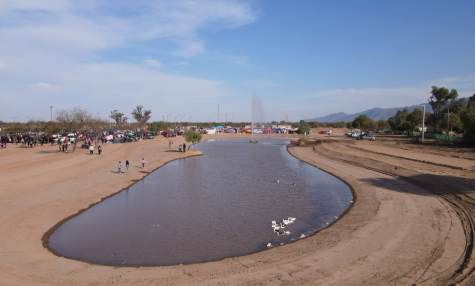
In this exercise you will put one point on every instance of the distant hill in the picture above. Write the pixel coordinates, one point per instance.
(376, 113)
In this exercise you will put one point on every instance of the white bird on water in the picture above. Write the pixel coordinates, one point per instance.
(289, 220)
(279, 227)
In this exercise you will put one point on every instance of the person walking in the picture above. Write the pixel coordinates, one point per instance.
(127, 165)
(119, 167)
(184, 147)
(91, 149)
(143, 163)
(99, 149)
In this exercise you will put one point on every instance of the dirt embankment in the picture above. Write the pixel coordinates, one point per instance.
(443, 175)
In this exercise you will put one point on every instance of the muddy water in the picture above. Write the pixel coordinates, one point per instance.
(206, 208)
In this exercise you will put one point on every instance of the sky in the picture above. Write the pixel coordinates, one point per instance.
(183, 59)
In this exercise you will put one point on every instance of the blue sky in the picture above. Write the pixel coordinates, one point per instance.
(183, 58)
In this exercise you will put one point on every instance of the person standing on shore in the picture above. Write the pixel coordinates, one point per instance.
(91, 149)
(119, 167)
(99, 149)
(184, 147)
(143, 163)
(127, 165)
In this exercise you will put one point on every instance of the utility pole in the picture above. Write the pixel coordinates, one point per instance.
(423, 122)
(50, 113)
(448, 122)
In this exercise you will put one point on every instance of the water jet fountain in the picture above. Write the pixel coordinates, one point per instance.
(257, 116)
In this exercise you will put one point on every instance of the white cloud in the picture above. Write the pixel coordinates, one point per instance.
(50, 6)
(262, 83)
(154, 63)
(105, 86)
(3, 65)
(352, 100)
(99, 25)
(191, 49)
(45, 86)
(50, 49)
(464, 84)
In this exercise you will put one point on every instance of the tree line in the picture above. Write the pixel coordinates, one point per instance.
(79, 119)
(450, 114)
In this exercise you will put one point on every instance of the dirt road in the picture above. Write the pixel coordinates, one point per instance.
(442, 175)
(396, 233)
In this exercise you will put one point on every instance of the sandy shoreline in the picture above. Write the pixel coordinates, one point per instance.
(388, 237)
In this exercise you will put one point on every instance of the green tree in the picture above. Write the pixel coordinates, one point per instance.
(363, 122)
(471, 101)
(141, 116)
(158, 125)
(118, 117)
(414, 119)
(382, 124)
(454, 121)
(192, 137)
(468, 121)
(441, 100)
(399, 122)
(303, 128)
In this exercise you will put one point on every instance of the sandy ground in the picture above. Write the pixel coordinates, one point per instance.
(398, 232)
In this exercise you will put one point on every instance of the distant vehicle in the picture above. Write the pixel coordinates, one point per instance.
(230, 130)
(356, 134)
(168, 133)
(369, 137)
(55, 138)
(326, 131)
(149, 135)
(131, 137)
(258, 131)
(72, 138)
(210, 130)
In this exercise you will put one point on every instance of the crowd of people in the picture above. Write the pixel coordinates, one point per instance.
(29, 140)
(89, 141)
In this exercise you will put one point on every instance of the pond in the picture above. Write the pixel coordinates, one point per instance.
(206, 208)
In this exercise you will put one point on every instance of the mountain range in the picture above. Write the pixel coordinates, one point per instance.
(376, 113)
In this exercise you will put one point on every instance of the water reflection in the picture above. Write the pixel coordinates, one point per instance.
(206, 208)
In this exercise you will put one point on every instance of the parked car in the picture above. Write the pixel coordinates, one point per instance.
(168, 133)
(356, 134)
(149, 135)
(55, 138)
(72, 138)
